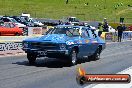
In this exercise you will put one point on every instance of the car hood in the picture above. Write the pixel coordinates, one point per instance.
(56, 38)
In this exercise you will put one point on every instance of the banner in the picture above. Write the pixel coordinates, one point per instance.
(127, 35)
(34, 30)
(108, 36)
(10, 46)
(113, 36)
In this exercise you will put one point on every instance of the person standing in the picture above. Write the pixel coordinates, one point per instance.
(124, 27)
(120, 31)
(100, 27)
(105, 25)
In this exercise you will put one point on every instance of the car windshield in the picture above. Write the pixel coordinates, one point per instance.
(34, 20)
(65, 30)
(22, 19)
(13, 20)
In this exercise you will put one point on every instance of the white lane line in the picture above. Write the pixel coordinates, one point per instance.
(129, 85)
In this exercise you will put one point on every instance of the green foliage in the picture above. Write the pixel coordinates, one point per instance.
(57, 9)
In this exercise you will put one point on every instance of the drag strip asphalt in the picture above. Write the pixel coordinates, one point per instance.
(15, 72)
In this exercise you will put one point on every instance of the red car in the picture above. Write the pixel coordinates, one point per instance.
(130, 28)
(8, 28)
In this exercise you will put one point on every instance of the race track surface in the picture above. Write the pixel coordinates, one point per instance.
(15, 72)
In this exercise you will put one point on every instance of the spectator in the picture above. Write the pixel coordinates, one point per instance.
(120, 31)
(124, 27)
(105, 25)
(100, 27)
(60, 22)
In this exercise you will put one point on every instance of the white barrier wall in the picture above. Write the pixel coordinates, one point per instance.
(34, 30)
(127, 35)
(11, 48)
(112, 36)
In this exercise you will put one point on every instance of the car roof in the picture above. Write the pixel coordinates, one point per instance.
(64, 26)
(71, 26)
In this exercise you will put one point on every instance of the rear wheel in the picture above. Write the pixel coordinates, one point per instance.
(73, 58)
(31, 58)
(17, 34)
(96, 55)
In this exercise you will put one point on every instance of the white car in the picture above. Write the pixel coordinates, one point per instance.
(36, 23)
(8, 19)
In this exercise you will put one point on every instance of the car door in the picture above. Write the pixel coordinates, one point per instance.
(6, 30)
(13, 30)
(85, 46)
(93, 41)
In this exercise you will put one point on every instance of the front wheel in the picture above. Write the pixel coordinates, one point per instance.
(31, 58)
(73, 58)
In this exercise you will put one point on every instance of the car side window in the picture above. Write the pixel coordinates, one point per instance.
(76, 32)
(12, 25)
(84, 33)
(92, 34)
(7, 25)
(6, 20)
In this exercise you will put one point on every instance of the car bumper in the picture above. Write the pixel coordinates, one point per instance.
(48, 53)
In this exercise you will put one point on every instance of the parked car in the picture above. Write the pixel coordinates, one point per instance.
(9, 19)
(18, 19)
(35, 22)
(66, 42)
(26, 19)
(9, 28)
(71, 21)
(130, 28)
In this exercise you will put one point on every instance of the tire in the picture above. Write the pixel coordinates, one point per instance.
(17, 34)
(31, 58)
(73, 58)
(96, 55)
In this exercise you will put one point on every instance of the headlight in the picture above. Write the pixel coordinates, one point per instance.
(25, 44)
(62, 46)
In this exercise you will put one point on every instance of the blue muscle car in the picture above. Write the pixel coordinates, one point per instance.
(66, 42)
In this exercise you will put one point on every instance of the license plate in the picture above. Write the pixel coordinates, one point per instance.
(42, 52)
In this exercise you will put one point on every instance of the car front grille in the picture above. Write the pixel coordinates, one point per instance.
(40, 45)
